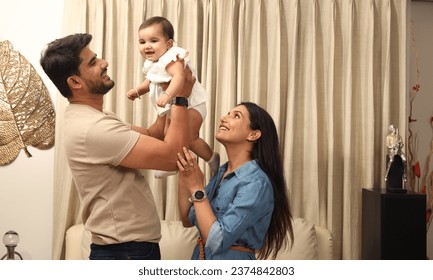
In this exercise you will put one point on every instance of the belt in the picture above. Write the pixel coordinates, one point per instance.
(201, 242)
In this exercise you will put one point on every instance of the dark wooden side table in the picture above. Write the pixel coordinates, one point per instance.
(393, 225)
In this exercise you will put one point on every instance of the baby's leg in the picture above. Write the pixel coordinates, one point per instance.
(167, 124)
(159, 174)
(198, 145)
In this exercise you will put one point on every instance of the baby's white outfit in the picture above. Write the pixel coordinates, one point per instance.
(157, 74)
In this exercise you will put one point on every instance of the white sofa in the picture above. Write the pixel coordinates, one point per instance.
(177, 243)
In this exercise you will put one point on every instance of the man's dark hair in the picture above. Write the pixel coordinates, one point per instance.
(61, 59)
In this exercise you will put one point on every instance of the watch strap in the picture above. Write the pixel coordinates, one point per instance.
(180, 101)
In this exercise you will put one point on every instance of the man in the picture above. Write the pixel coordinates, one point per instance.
(104, 153)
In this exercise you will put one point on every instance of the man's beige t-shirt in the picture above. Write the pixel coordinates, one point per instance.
(117, 202)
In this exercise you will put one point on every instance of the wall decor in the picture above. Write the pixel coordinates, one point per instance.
(420, 179)
(27, 116)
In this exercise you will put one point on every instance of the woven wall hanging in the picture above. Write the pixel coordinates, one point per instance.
(27, 116)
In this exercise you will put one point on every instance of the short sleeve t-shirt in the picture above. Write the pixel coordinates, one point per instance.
(117, 203)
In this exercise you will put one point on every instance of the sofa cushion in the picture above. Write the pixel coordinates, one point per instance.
(177, 242)
(324, 242)
(305, 244)
(73, 241)
(85, 244)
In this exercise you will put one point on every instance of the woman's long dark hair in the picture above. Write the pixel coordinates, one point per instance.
(267, 152)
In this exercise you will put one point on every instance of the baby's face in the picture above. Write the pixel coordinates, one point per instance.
(153, 43)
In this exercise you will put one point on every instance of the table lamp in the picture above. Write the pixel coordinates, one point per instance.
(11, 239)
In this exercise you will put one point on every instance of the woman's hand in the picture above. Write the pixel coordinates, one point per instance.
(191, 178)
(190, 174)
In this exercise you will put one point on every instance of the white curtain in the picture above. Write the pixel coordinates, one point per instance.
(332, 73)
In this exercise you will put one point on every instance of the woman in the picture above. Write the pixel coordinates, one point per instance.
(245, 208)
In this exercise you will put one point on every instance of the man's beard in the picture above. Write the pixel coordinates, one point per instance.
(99, 87)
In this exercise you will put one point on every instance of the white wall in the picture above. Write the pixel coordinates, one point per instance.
(26, 185)
(422, 18)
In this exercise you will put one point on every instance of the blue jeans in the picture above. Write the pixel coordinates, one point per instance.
(125, 251)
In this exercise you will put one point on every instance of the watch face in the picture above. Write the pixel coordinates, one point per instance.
(180, 101)
(199, 195)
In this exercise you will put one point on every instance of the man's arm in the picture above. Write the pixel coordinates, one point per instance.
(151, 153)
(156, 130)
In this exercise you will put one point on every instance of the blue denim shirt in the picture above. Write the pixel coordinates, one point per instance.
(243, 204)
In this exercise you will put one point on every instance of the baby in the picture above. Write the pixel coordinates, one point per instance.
(165, 63)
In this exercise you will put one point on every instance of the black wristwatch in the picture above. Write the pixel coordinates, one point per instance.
(180, 101)
(198, 195)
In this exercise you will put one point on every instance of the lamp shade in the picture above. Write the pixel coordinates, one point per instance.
(11, 238)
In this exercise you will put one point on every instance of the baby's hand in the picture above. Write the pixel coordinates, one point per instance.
(132, 94)
(163, 99)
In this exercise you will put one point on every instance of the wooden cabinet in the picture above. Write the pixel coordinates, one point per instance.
(393, 225)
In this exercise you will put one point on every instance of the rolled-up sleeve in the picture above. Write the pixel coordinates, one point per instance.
(215, 237)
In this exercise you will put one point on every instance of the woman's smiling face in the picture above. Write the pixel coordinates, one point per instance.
(235, 126)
